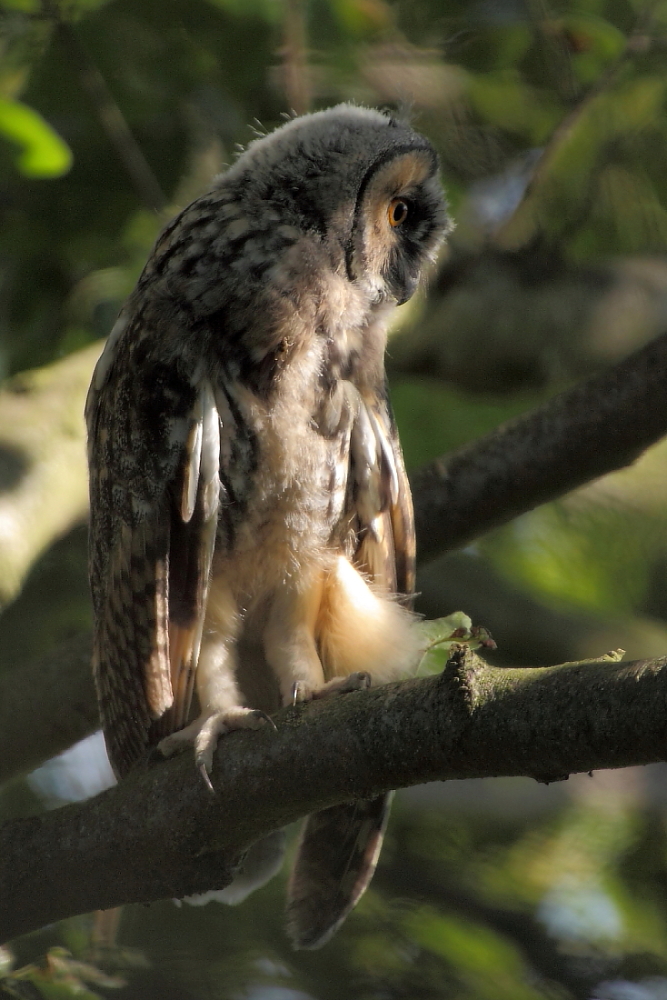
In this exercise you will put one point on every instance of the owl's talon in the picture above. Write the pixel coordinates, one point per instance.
(205, 731)
(298, 693)
(177, 741)
(205, 775)
(257, 714)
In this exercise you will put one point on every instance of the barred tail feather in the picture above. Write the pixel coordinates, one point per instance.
(337, 855)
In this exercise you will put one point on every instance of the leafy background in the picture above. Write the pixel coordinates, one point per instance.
(551, 122)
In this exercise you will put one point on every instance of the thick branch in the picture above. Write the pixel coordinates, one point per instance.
(160, 833)
(600, 425)
(43, 489)
(596, 427)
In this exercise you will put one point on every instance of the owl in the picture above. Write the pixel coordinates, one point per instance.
(251, 534)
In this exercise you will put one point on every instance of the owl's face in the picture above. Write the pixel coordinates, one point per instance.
(363, 184)
(398, 223)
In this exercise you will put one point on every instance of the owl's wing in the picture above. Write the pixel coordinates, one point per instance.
(380, 501)
(154, 449)
(339, 847)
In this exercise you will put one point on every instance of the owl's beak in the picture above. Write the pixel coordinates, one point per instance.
(406, 288)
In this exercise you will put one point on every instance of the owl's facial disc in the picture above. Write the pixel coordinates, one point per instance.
(400, 222)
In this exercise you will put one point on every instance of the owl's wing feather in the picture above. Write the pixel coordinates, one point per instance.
(382, 502)
(339, 847)
(191, 553)
(154, 500)
(401, 517)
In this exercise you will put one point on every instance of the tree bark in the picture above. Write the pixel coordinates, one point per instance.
(161, 833)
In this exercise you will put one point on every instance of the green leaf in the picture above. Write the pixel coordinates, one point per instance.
(43, 153)
(441, 634)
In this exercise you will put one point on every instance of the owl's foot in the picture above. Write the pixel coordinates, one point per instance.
(339, 685)
(205, 731)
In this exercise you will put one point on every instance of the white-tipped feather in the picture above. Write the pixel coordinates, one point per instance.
(388, 461)
(191, 471)
(210, 453)
(210, 489)
(364, 449)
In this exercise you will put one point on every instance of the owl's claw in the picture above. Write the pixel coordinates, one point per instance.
(297, 692)
(205, 776)
(267, 718)
(205, 731)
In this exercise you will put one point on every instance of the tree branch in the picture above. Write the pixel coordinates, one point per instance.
(43, 490)
(599, 426)
(160, 833)
(522, 223)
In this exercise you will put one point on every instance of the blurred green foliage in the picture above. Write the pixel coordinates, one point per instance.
(43, 154)
(551, 123)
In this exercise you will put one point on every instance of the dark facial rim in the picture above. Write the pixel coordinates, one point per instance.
(385, 157)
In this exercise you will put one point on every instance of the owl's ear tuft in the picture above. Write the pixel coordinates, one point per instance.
(401, 116)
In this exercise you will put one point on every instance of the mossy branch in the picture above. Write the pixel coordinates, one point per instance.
(161, 833)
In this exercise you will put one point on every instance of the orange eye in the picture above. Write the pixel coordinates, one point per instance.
(398, 211)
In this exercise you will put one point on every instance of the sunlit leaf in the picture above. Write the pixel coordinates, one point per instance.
(489, 964)
(44, 154)
(441, 635)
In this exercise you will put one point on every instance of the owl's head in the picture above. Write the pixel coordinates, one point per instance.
(364, 184)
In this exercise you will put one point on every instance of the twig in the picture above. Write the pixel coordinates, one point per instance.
(110, 116)
(507, 236)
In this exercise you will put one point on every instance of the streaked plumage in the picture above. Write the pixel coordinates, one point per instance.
(251, 522)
